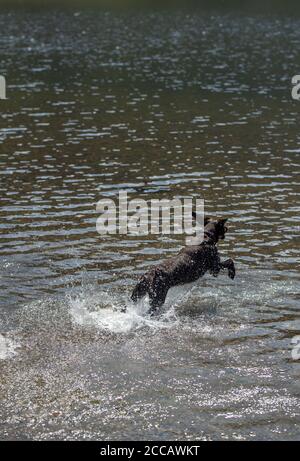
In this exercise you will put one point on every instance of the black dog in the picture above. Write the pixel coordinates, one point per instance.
(187, 266)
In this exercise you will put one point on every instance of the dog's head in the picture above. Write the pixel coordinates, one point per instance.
(215, 229)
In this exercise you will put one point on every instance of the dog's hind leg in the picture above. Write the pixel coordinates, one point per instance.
(157, 297)
(140, 290)
(157, 301)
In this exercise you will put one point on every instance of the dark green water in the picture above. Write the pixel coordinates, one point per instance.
(160, 105)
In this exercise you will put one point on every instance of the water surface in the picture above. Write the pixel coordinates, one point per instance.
(160, 105)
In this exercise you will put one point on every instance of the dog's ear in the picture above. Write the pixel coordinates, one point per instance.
(222, 221)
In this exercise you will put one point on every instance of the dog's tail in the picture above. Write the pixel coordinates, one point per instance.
(140, 290)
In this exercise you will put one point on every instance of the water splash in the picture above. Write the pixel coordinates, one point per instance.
(7, 348)
(113, 311)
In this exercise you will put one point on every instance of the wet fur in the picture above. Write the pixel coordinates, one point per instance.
(191, 263)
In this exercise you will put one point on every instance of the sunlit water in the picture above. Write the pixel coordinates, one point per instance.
(160, 105)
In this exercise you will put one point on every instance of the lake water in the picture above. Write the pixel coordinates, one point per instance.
(160, 105)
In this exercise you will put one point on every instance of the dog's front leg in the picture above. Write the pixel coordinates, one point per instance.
(229, 264)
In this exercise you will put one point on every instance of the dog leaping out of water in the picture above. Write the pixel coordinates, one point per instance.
(191, 263)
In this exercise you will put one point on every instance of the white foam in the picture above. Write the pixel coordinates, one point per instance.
(7, 348)
(115, 314)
